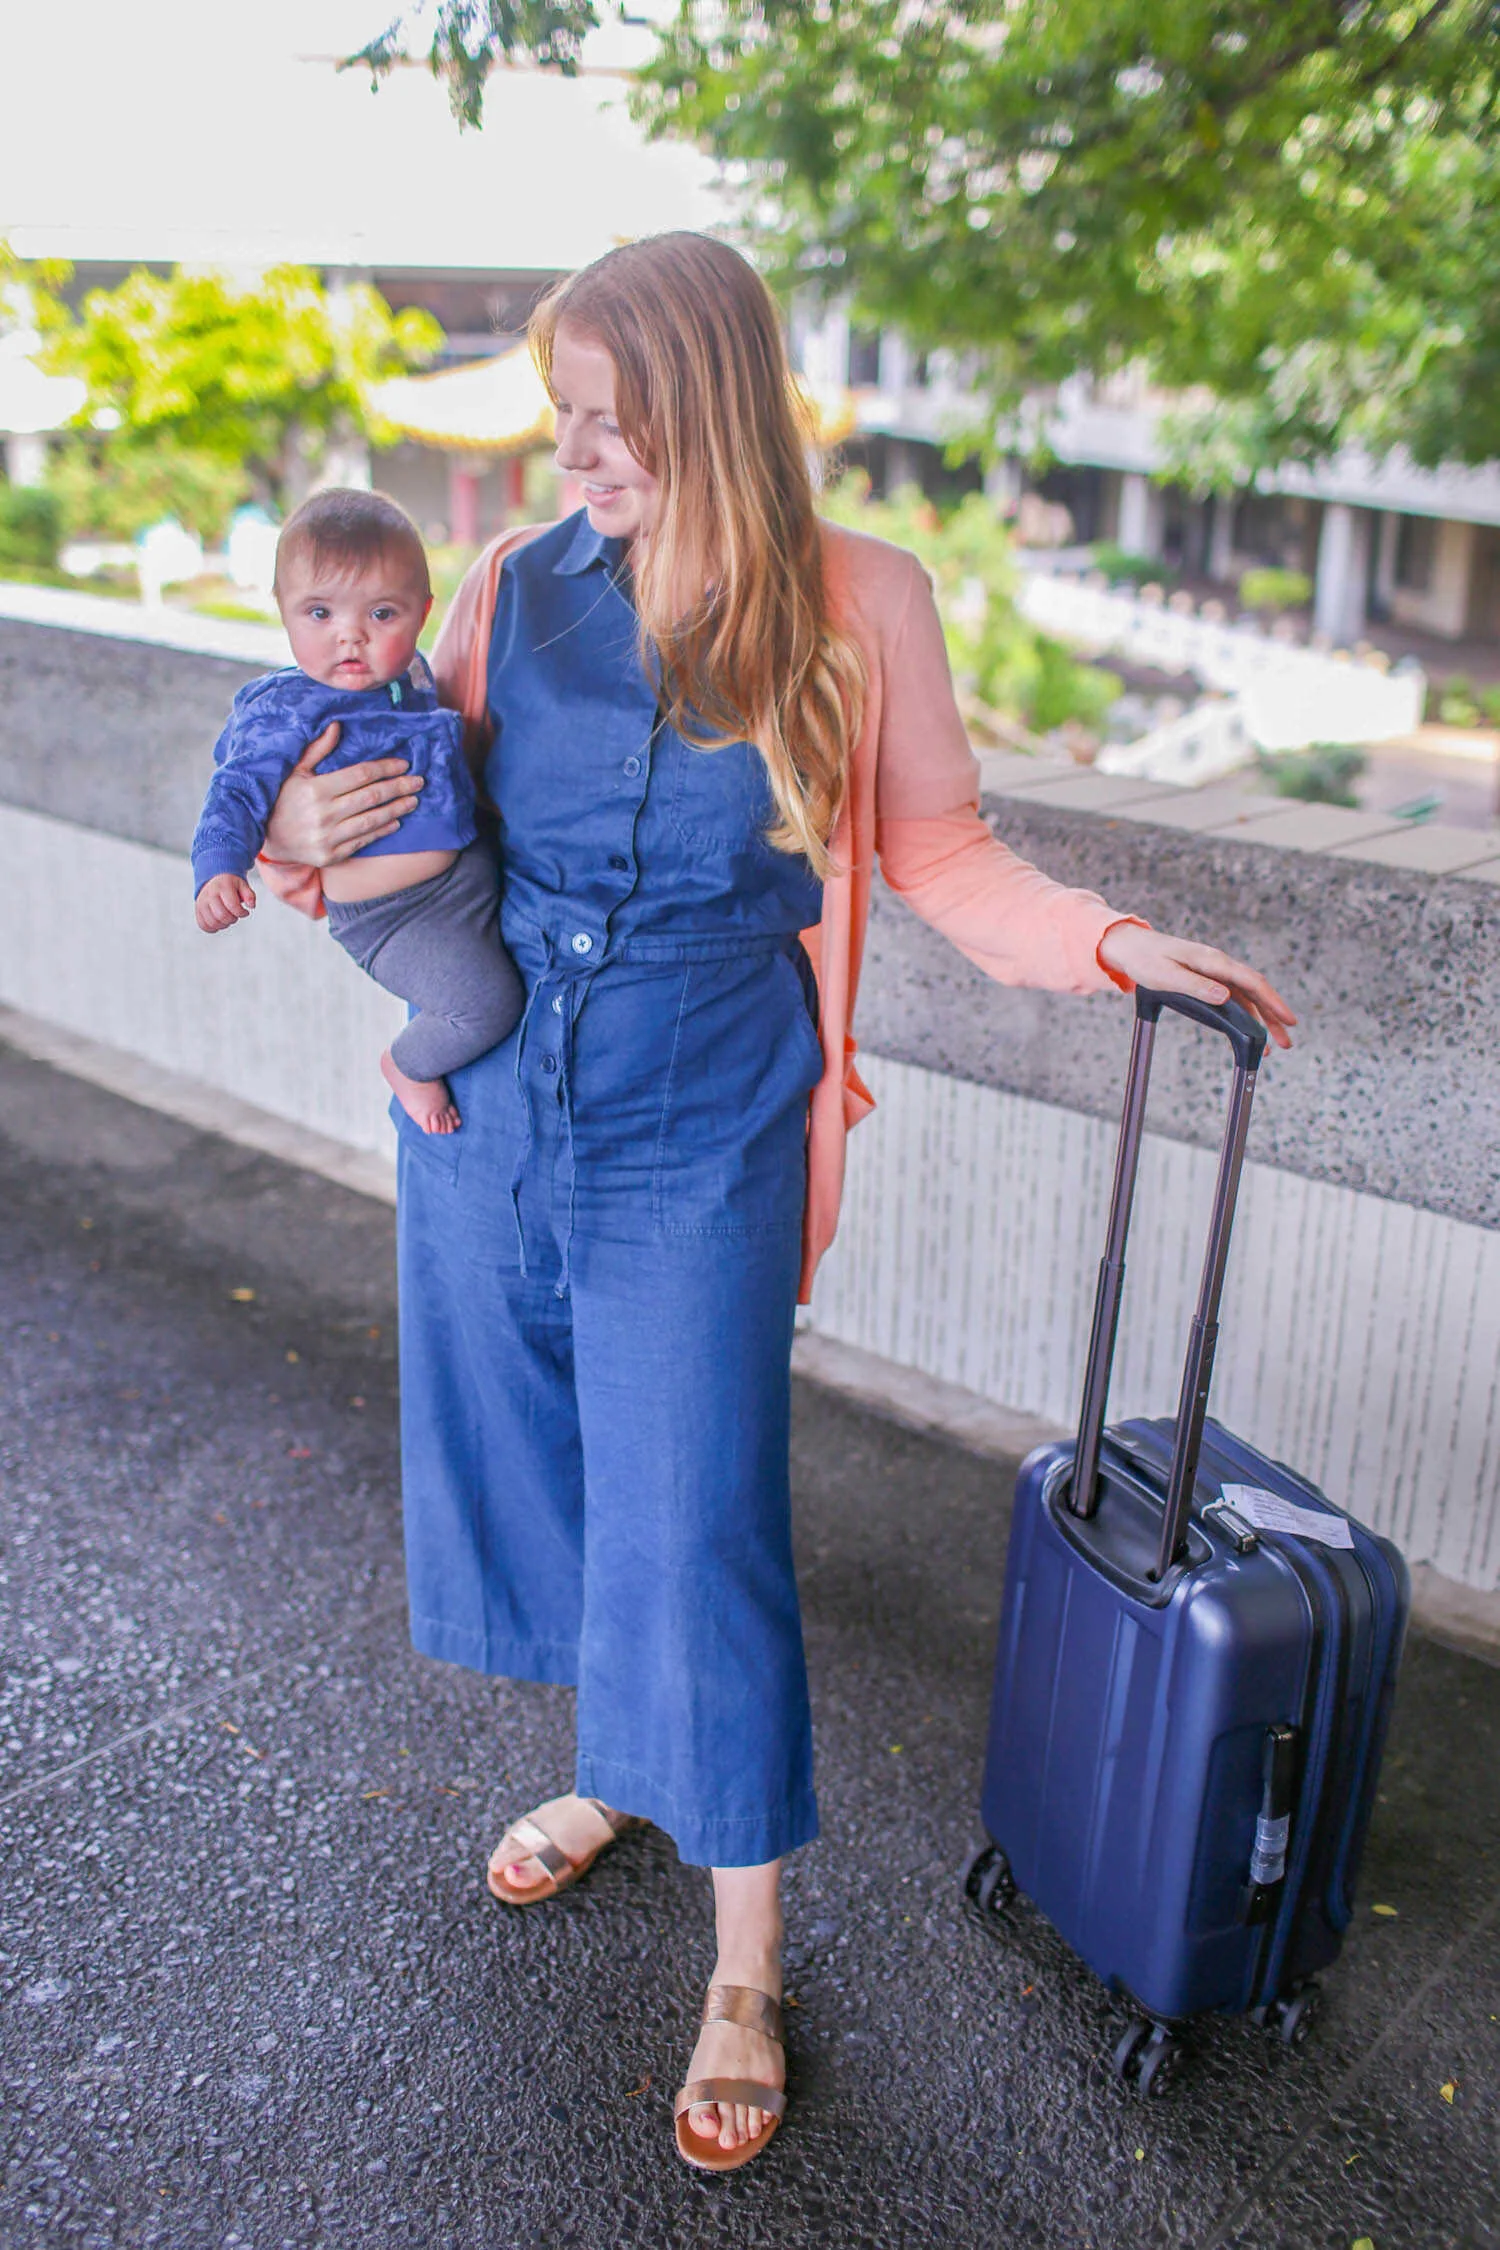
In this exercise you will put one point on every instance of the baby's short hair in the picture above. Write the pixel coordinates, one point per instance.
(343, 531)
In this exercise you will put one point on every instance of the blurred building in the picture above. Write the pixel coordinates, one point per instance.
(1384, 543)
(283, 159)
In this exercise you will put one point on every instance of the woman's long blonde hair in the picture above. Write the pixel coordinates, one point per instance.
(730, 586)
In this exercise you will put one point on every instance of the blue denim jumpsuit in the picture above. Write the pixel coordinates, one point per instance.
(599, 1271)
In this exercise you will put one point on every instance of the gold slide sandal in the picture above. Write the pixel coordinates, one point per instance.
(756, 2011)
(537, 1844)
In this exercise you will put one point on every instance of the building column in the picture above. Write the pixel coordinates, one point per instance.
(1221, 536)
(1142, 514)
(463, 502)
(1452, 573)
(1002, 484)
(903, 465)
(25, 457)
(1343, 560)
(1388, 541)
(346, 460)
(824, 348)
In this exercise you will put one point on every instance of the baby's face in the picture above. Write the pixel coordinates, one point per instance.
(354, 631)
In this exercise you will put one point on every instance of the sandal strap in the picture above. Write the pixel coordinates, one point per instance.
(742, 2004)
(540, 1846)
(744, 2091)
(615, 1822)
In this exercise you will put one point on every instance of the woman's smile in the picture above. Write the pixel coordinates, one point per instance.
(621, 496)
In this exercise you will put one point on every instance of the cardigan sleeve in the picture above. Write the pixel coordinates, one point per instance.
(935, 850)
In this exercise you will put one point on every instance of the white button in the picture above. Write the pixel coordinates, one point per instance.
(557, 1005)
(583, 943)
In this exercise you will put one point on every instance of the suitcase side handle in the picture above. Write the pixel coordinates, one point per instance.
(1247, 1037)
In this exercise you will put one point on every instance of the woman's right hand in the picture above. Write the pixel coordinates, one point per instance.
(321, 818)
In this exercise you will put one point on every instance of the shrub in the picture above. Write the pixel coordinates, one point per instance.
(1063, 691)
(30, 528)
(1122, 568)
(1457, 705)
(1275, 590)
(1323, 774)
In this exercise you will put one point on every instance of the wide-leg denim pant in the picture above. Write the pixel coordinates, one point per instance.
(598, 1283)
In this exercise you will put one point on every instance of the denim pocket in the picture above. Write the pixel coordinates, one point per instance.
(717, 797)
(732, 1154)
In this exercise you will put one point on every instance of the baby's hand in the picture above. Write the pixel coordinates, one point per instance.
(224, 900)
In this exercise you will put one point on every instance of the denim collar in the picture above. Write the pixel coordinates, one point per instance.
(588, 547)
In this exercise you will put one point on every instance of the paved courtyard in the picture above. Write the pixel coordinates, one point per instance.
(251, 1991)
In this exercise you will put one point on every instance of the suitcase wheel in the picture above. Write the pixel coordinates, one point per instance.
(1123, 2061)
(1149, 2057)
(1292, 2018)
(987, 1880)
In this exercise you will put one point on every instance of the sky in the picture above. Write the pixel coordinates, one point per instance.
(193, 131)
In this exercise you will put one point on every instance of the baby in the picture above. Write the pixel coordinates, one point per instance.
(418, 910)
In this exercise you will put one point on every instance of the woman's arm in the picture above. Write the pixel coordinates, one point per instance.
(1007, 917)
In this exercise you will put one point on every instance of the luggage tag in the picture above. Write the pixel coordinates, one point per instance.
(1267, 1511)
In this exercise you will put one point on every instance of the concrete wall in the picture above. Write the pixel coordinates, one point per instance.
(1362, 1327)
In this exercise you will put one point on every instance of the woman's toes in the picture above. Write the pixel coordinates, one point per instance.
(705, 2120)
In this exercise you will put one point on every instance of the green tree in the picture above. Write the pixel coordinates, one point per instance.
(113, 486)
(1296, 206)
(258, 378)
(468, 37)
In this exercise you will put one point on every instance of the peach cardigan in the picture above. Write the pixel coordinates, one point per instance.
(912, 803)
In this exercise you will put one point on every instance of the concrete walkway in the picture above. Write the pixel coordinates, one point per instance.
(251, 1992)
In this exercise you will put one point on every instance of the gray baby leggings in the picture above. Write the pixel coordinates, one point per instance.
(438, 946)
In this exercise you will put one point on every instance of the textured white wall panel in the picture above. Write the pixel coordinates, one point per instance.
(97, 934)
(1360, 1339)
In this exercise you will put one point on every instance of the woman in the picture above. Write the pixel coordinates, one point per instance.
(702, 713)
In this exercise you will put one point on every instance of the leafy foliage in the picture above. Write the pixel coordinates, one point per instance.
(30, 529)
(1323, 774)
(1275, 590)
(1298, 205)
(469, 37)
(1295, 208)
(115, 487)
(1002, 667)
(1122, 566)
(250, 377)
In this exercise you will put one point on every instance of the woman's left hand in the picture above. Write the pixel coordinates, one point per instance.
(1173, 964)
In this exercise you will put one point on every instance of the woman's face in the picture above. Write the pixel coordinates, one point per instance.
(621, 496)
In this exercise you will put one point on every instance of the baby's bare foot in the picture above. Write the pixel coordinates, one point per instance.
(426, 1101)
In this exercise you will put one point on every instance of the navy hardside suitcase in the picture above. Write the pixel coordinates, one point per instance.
(1188, 1712)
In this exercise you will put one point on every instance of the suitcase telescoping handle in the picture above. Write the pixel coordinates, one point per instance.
(1248, 1039)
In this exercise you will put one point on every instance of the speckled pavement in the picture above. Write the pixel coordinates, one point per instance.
(252, 1993)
